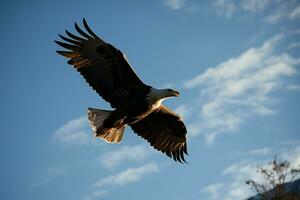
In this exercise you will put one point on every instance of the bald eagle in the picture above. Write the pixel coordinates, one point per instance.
(106, 69)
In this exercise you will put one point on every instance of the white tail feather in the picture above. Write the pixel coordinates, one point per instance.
(96, 118)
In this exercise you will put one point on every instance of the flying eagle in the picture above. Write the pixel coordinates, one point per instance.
(106, 69)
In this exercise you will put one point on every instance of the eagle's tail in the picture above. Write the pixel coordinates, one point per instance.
(96, 118)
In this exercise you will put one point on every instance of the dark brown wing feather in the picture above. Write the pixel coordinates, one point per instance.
(165, 131)
(104, 67)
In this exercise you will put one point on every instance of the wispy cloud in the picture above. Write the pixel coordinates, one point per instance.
(227, 191)
(183, 110)
(213, 190)
(283, 10)
(293, 156)
(240, 88)
(73, 132)
(175, 4)
(97, 194)
(257, 152)
(293, 87)
(234, 67)
(260, 152)
(101, 188)
(273, 11)
(126, 153)
(294, 45)
(51, 173)
(295, 13)
(225, 7)
(228, 8)
(254, 5)
(242, 170)
(275, 16)
(128, 176)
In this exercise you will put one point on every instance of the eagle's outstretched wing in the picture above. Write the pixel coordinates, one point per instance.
(104, 67)
(165, 131)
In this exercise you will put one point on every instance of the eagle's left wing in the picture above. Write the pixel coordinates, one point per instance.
(165, 131)
(104, 67)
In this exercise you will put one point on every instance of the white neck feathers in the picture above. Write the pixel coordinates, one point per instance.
(157, 96)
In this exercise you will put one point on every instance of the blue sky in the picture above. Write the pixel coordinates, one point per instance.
(236, 64)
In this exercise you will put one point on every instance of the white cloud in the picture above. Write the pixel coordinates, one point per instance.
(275, 16)
(293, 87)
(293, 156)
(254, 5)
(213, 190)
(225, 7)
(295, 13)
(294, 45)
(51, 173)
(295, 31)
(183, 110)
(73, 132)
(234, 67)
(97, 194)
(237, 191)
(242, 170)
(260, 152)
(128, 176)
(228, 8)
(175, 4)
(227, 191)
(126, 153)
(284, 10)
(239, 89)
(272, 11)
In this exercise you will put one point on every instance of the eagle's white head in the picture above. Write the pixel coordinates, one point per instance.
(156, 96)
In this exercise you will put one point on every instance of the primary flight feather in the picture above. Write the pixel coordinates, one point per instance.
(106, 69)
